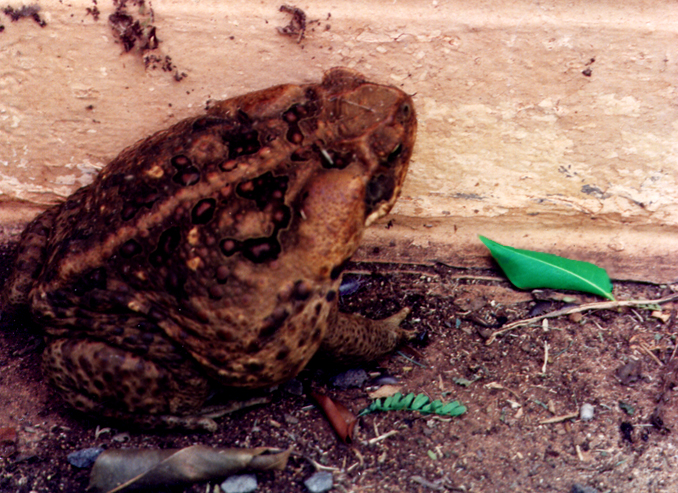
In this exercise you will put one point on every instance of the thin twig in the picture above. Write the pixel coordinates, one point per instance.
(646, 349)
(400, 353)
(316, 465)
(603, 305)
(374, 440)
(558, 419)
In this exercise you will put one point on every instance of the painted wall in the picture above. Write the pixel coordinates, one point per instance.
(551, 126)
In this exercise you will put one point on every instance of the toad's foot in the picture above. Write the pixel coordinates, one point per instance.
(354, 338)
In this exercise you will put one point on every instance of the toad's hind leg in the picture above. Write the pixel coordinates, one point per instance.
(352, 338)
(97, 378)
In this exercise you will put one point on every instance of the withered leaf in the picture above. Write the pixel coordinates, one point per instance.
(134, 469)
(342, 420)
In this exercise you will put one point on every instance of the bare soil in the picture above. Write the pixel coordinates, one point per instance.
(502, 443)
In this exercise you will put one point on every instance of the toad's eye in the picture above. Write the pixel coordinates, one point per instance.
(405, 112)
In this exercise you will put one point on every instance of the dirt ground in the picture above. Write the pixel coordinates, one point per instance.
(617, 360)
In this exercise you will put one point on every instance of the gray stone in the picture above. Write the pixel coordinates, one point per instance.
(245, 483)
(578, 488)
(350, 378)
(84, 458)
(319, 482)
(586, 412)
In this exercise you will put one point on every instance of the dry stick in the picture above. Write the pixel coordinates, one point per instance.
(603, 305)
(646, 349)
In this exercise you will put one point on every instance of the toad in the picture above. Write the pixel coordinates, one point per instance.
(209, 255)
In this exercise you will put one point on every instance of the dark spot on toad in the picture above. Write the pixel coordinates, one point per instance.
(254, 367)
(301, 291)
(130, 248)
(187, 177)
(229, 246)
(242, 144)
(129, 211)
(281, 217)
(174, 284)
(168, 243)
(282, 353)
(180, 161)
(222, 274)
(94, 279)
(203, 211)
(216, 292)
(259, 250)
(264, 189)
(273, 323)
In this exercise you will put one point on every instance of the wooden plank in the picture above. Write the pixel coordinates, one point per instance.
(553, 120)
(641, 253)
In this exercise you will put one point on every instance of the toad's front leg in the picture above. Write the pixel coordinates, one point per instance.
(353, 338)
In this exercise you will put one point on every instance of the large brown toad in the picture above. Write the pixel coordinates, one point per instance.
(209, 254)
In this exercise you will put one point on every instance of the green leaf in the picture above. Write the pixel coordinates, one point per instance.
(530, 270)
(420, 403)
(452, 409)
(425, 409)
(388, 402)
(407, 400)
(628, 408)
(435, 405)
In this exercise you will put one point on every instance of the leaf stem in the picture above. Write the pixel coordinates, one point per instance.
(602, 305)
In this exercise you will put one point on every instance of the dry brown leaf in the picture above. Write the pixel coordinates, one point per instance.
(342, 420)
(385, 391)
(132, 469)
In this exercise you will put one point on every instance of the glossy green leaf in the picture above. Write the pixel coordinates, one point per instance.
(530, 270)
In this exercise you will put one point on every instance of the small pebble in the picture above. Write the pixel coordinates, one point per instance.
(384, 380)
(350, 378)
(586, 412)
(121, 437)
(245, 483)
(84, 458)
(319, 482)
(349, 285)
(294, 387)
(578, 488)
